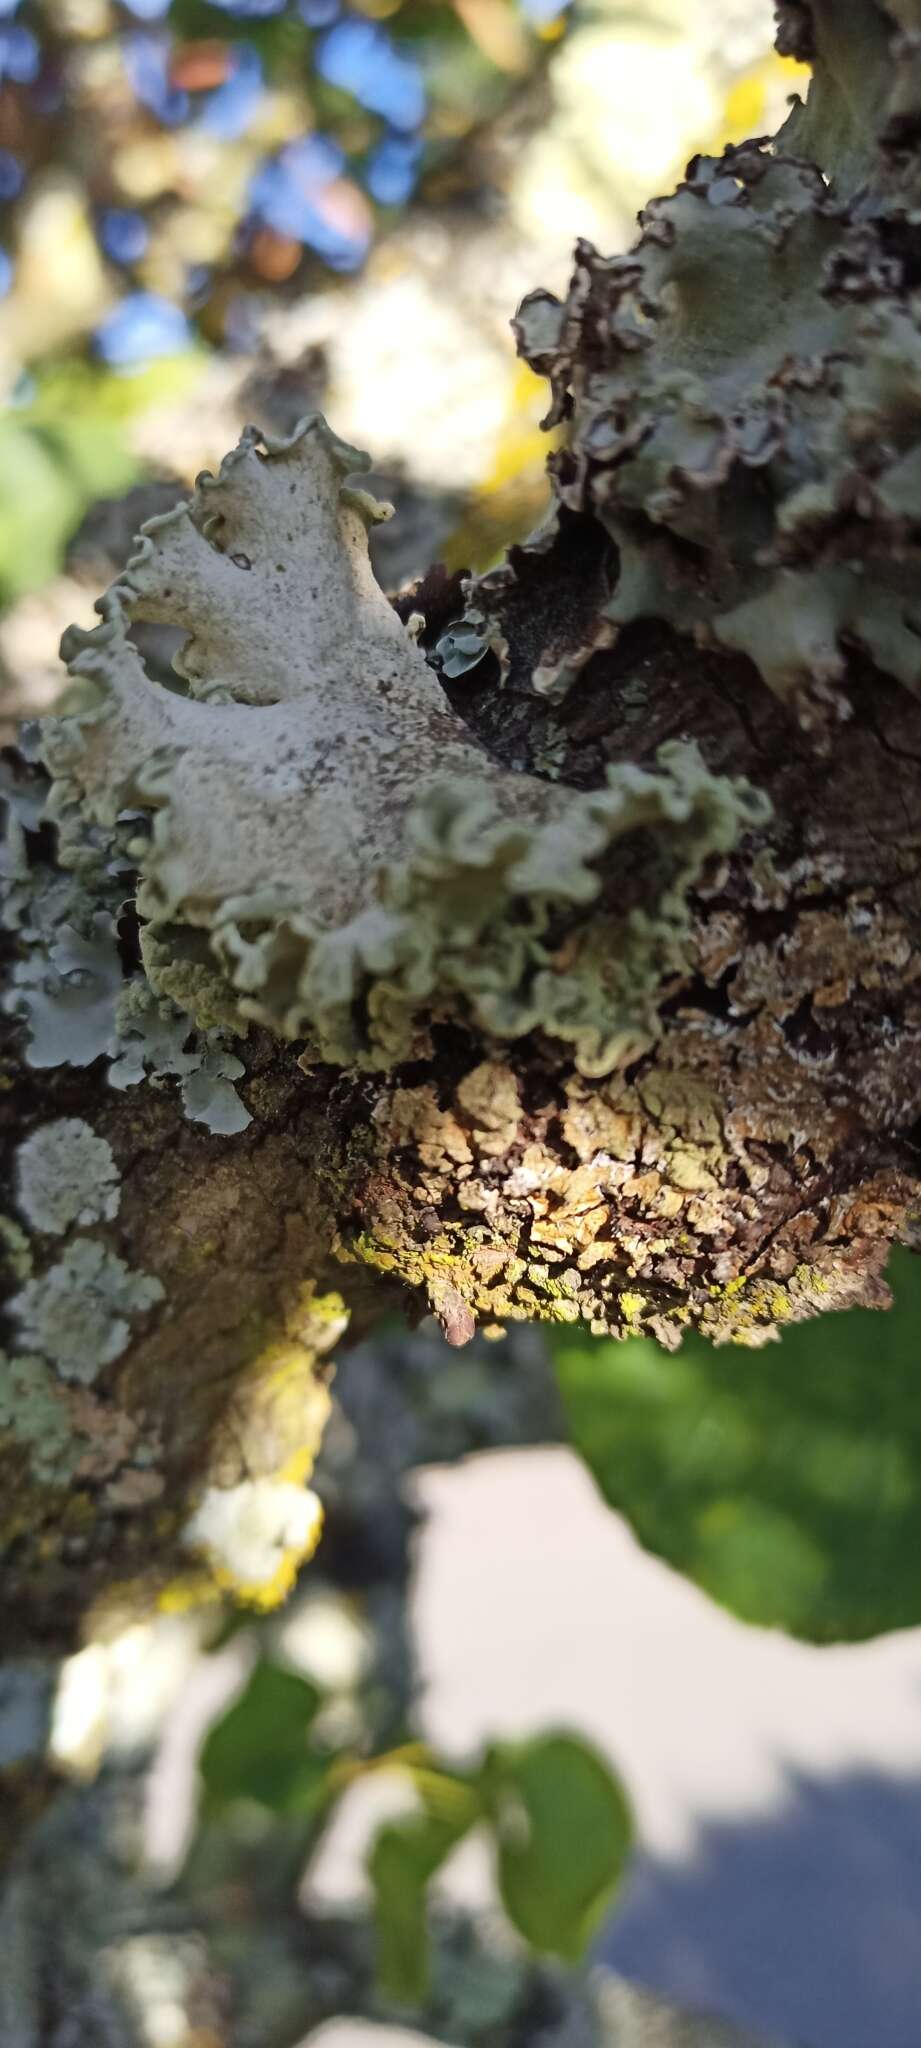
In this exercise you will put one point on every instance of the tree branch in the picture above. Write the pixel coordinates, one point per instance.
(579, 932)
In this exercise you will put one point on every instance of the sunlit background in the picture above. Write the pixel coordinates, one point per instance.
(218, 212)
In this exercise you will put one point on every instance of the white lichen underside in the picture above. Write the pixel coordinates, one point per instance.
(320, 816)
(317, 717)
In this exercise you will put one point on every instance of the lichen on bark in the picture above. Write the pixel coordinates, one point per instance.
(743, 389)
(326, 842)
(577, 981)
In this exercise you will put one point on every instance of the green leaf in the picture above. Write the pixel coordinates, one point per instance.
(403, 1860)
(48, 477)
(261, 1749)
(66, 448)
(785, 1482)
(39, 505)
(563, 1832)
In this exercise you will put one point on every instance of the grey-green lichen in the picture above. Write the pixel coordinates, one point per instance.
(68, 981)
(33, 1410)
(744, 389)
(15, 1249)
(328, 852)
(66, 1175)
(154, 1039)
(463, 645)
(468, 918)
(67, 972)
(65, 982)
(78, 1314)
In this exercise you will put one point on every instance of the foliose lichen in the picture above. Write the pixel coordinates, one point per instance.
(154, 1039)
(66, 1175)
(33, 1410)
(67, 971)
(15, 1249)
(743, 389)
(68, 982)
(78, 1314)
(328, 851)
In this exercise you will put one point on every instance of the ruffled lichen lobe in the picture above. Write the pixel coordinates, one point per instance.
(330, 852)
(743, 390)
(738, 497)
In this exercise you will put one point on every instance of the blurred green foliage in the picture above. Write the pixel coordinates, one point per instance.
(64, 448)
(559, 1821)
(561, 1832)
(48, 476)
(404, 1859)
(261, 1750)
(220, 150)
(786, 1482)
(171, 170)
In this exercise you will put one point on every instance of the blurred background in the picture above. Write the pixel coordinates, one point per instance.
(215, 211)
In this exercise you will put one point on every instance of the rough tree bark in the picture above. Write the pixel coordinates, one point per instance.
(541, 948)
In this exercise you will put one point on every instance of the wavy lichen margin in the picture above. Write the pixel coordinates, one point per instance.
(742, 393)
(328, 850)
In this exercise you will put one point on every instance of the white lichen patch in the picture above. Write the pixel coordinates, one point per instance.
(66, 1175)
(310, 714)
(328, 845)
(78, 1315)
(255, 1535)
